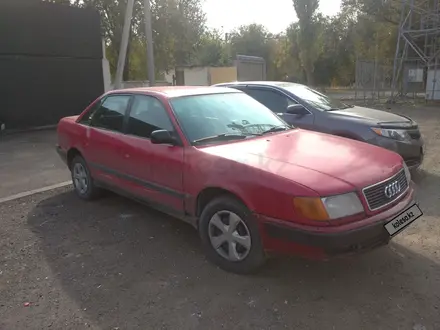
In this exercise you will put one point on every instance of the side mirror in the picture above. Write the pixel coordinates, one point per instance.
(162, 137)
(297, 109)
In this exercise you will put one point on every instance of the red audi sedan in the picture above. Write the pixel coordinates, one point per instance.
(248, 182)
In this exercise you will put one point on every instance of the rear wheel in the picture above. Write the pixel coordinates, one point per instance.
(230, 236)
(82, 180)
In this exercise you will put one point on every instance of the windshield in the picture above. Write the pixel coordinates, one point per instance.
(230, 114)
(314, 98)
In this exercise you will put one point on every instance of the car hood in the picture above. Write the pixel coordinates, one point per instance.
(376, 116)
(321, 162)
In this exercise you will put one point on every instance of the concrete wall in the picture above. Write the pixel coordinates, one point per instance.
(168, 76)
(139, 84)
(204, 76)
(196, 76)
(222, 75)
(433, 85)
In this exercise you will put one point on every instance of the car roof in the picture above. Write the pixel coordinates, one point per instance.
(280, 84)
(176, 91)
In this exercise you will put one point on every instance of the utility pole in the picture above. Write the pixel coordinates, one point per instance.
(124, 44)
(149, 41)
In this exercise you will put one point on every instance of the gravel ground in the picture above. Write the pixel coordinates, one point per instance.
(114, 264)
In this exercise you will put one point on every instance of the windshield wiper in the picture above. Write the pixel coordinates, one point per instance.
(223, 137)
(276, 129)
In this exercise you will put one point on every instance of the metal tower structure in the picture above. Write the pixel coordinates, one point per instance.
(418, 42)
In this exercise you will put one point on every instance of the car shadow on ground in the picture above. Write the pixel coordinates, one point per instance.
(128, 266)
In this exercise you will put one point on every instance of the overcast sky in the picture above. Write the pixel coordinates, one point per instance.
(276, 15)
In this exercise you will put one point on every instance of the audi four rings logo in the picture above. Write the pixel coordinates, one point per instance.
(392, 189)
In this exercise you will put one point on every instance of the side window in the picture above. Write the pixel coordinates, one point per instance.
(146, 116)
(275, 101)
(111, 113)
(240, 88)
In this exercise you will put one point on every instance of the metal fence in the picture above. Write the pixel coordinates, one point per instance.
(374, 81)
(50, 67)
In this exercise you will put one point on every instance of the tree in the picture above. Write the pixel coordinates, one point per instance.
(387, 11)
(213, 50)
(255, 40)
(286, 60)
(316, 50)
(336, 63)
(252, 40)
(188, 26)
(309, 37)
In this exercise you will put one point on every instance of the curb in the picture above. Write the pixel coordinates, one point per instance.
(27, 130)
(34, 191)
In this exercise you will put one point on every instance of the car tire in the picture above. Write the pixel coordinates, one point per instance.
(82, 180)
(241, 251)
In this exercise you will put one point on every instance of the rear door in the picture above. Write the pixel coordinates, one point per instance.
(103, 144)
(278, 103)
(155, 170)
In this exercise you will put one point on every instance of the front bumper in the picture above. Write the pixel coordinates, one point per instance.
(411, 151)
(322, 242)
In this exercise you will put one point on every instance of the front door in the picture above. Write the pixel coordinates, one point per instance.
(156, 170)
(278, 103)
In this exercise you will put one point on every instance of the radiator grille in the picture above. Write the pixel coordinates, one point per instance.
(376, 194)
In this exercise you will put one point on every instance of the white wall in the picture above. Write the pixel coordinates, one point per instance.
(169, 76)
(106, 70)
(197, 76)
(430, 86)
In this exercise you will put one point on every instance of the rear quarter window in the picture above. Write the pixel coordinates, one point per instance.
(87, 117)
(110, 115)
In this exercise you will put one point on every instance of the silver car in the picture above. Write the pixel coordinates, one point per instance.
(303, 107)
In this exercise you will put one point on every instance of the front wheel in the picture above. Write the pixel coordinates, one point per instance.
(82, 180)
(230, 236)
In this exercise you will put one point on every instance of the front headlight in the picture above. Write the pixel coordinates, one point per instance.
(328, 208)
(396, 134)
(407, 173)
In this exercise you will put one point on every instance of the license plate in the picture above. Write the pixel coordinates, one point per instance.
(403, 220)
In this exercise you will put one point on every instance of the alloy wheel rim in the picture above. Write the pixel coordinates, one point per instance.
(80, 178)
(229, 236)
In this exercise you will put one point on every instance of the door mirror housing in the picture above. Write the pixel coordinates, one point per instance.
(163, 137)
(297, 109)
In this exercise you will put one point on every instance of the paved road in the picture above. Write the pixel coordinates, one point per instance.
(28, 161)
